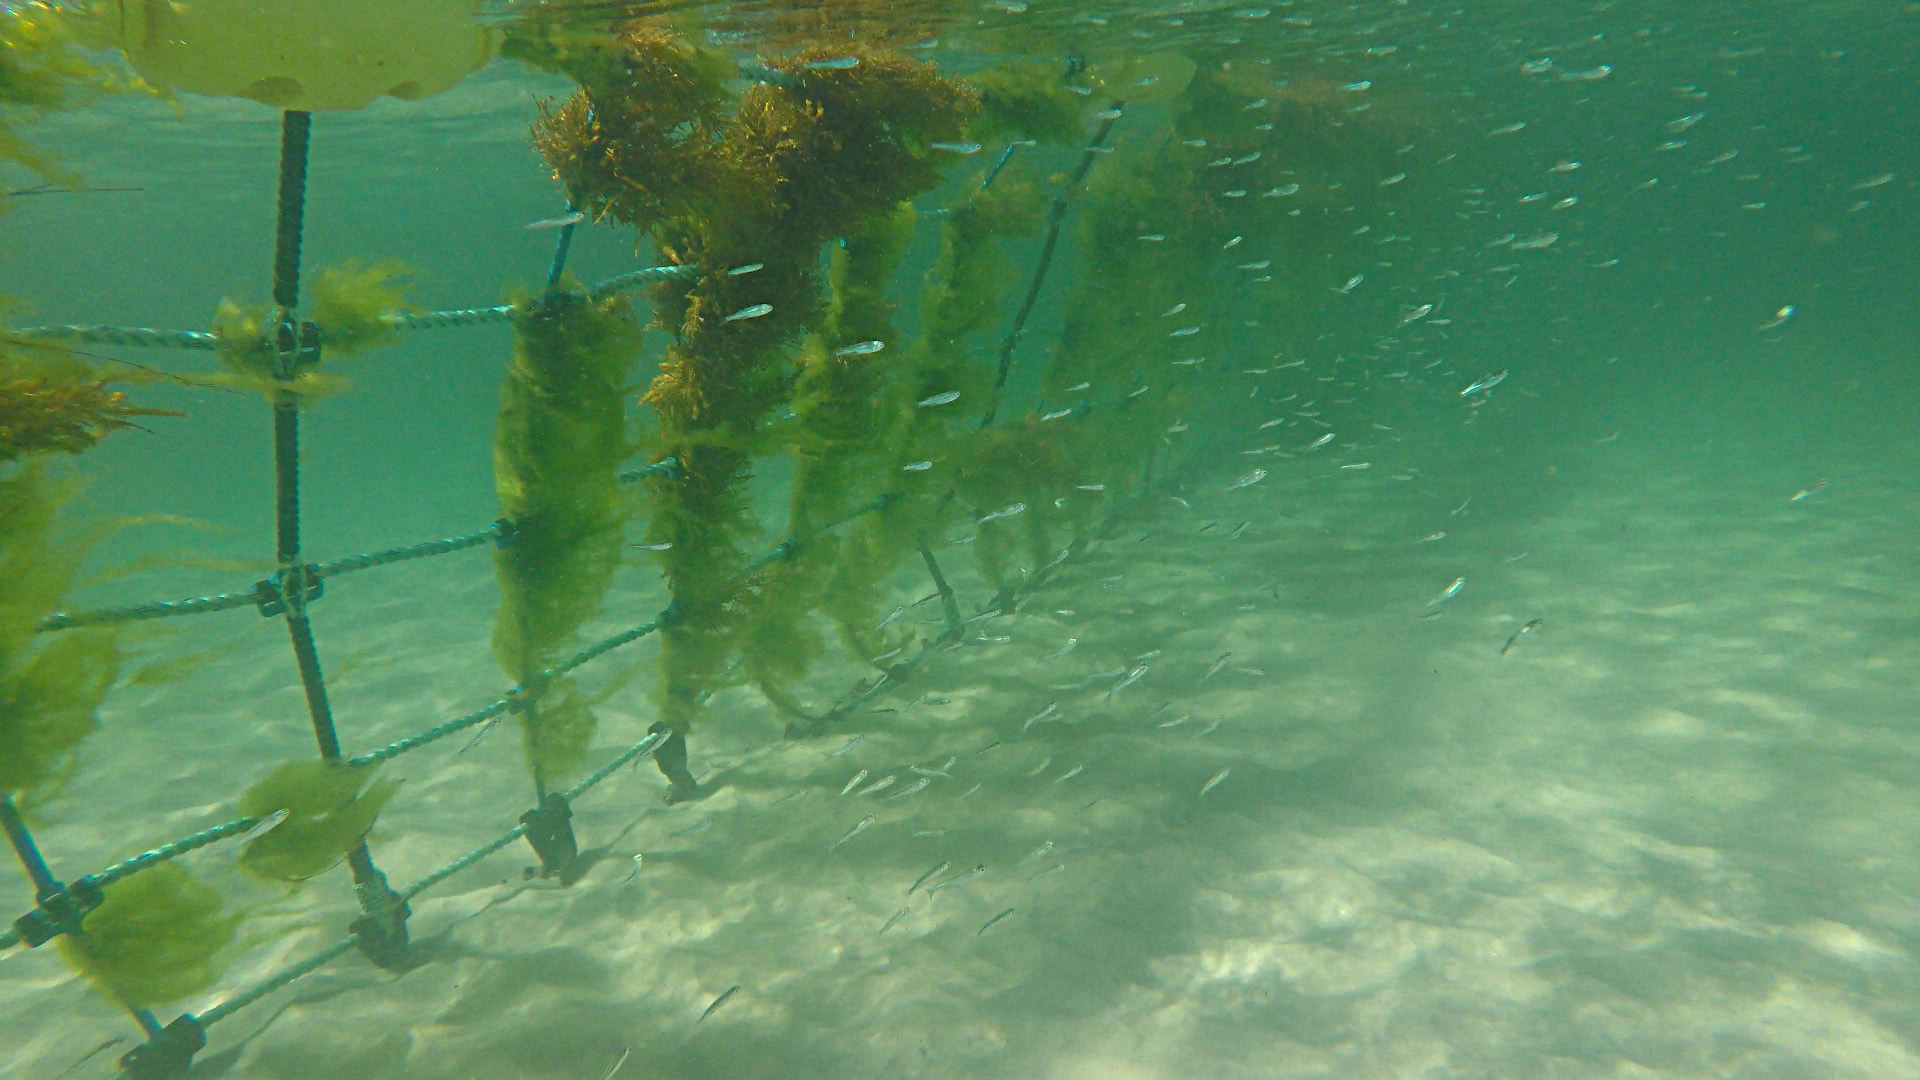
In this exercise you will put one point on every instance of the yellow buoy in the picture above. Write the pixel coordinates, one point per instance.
(296, 54)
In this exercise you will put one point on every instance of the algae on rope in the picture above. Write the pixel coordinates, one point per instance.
(50, 688)
(159, 936)
(557, 450)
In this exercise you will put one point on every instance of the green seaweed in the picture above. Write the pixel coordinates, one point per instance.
(354, 304)
(763, 179)
(331, 806)
(49, 693)
(41, 69)
(159, 936)
(1026, 99)
(558, 446)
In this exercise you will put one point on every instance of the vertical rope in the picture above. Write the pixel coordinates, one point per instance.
(381, 930)
(295, 129)
(1056, 215)
(947, 599)
(46, 886)
(561, 244)
(18, 835)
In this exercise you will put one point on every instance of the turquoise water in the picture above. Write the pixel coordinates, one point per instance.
(1348, 821)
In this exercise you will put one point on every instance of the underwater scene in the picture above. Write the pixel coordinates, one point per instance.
(1077, 540)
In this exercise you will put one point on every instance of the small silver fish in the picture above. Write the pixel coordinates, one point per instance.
(1217, 665)
(1216, 781)
(861, 348)
(1132, 677)
(916, 466)
(1057, 414)
(850, 744)
(1069, 774)
(894, 918)
(1062, 650)
(753, 312)
(561, 222)
(960, 878)
(855, 782)
(263, 827)
(1005, 512)
(719, 1001)
(881, 784)
(911, 789)
(1047, 713)
(1530, 627)
(923, 878)
(955, 147)
(1038, 853)
(1248, 480)
(990, 922)
(1320, 442)
(838, 63)
(746, 268)
(1806, 493)
(1487, 383)
(865, 823)
(1042, 767)
(939, 399)
(1448, 593)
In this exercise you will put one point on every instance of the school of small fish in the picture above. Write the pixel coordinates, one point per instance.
(1286, 420)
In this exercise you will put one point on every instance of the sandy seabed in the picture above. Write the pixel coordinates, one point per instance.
(1671, 833)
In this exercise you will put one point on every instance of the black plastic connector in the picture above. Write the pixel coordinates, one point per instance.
(168, 1055)
(59, 912)
(550, 832)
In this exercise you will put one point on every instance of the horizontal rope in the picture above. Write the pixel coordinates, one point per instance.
(264, 592)
(149, 338)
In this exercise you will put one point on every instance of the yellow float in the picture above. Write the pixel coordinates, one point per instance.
(311, 55)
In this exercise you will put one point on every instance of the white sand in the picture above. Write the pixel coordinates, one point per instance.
(1670, 835)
